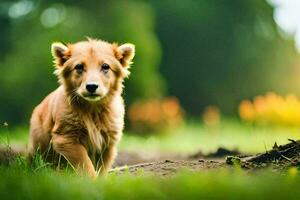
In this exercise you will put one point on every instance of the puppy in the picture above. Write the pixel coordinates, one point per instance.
(82, 120)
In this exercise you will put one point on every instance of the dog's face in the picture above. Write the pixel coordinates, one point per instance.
(92, 69)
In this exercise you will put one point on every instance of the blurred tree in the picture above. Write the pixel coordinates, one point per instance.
(5, 30)
(219, 52)
(214, 51)
(27, 69)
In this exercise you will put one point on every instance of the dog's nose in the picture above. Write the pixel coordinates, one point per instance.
(91, 87)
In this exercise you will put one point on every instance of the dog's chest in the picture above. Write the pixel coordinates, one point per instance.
(96, 129)
(100, 131)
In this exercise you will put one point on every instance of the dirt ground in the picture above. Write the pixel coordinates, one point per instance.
(279, 158)
(170, 167)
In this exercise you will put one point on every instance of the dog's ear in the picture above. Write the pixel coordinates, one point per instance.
(60, 53)
(125, 54)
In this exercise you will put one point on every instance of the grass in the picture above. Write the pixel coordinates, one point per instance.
(16, 184)
(38, 181)
(193, 137)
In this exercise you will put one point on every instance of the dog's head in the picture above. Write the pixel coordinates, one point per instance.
(92, 69)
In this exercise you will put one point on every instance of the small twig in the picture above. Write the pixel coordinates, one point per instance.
(284, 157)
(293, 141)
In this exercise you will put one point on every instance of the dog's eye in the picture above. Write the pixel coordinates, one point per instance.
(79, 68)
(105, 67)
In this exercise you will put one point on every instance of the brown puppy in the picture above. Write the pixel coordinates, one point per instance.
(82, 120)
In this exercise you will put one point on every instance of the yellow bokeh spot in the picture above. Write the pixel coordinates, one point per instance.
(271, 109)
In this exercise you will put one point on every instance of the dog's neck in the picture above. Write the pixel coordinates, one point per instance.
(92, 115)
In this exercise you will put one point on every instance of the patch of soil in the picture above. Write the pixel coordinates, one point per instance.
(129, 158)
(279, 158)
(168, 164)
(170, 167)
(7, 154)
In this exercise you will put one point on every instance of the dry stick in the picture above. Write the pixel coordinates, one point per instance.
(290, 160)
(282, 151)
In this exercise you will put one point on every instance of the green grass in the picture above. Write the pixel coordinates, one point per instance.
(16, 184)
(38, 181)
(195, 136)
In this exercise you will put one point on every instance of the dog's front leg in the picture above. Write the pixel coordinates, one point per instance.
(75, 153)
(108, 158)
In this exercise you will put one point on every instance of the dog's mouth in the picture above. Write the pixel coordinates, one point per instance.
(92, 97)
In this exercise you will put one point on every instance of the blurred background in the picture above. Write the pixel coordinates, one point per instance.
(197, 62)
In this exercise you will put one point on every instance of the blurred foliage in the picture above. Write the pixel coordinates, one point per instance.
(33, 25)
(211, 116)
(209, 52)
(271, 109)
(155, 115)
(220, 52)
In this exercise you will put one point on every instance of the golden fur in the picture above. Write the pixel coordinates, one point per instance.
(84, 129)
